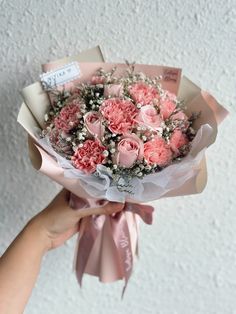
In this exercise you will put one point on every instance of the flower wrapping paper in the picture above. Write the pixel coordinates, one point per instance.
(107, 245)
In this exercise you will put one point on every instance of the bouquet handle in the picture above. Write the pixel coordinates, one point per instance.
(107, 244)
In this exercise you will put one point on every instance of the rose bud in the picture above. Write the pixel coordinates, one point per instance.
(93, 123)
(129, 150)
(181, 118)
(148, 116)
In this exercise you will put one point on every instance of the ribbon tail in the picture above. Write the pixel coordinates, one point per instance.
(86, 242)
(137, 244)
(89, 230)
(121, 237)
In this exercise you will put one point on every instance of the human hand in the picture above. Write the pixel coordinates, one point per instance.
(58, 221)
(20, 264)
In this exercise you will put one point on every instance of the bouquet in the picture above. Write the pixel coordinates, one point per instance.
(129, 133)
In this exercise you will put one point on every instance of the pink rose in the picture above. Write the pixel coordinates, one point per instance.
(87, 158)
(182, 118)
(143, 93)
(96, 79)
(113, 90)
(156, 151)
(68, 117)
(148, 116)
(93, 123)
(129, 149)
(119, 114)
(177, 140)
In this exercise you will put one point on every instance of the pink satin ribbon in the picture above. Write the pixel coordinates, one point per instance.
(105, 241)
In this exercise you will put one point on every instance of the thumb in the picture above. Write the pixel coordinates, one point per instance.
(112, 208)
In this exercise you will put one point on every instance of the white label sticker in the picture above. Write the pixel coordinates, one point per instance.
(61, 76)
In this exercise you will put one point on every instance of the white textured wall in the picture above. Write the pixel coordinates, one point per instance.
(188, 257)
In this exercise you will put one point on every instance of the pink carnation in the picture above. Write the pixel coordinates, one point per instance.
(177, 140)
(167, 107)
(68, 117)
(156, 151)
(143, 93)
(119, 113)
(87, 158)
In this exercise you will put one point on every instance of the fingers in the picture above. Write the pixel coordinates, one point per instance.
(73, 202)
(112, 208)
(108, 209)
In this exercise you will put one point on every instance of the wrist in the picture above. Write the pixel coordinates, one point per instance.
(36, 231)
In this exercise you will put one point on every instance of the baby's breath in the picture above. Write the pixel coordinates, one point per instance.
(91, 97)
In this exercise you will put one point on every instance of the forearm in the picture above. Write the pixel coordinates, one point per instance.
(19, 267)
(20, 264)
